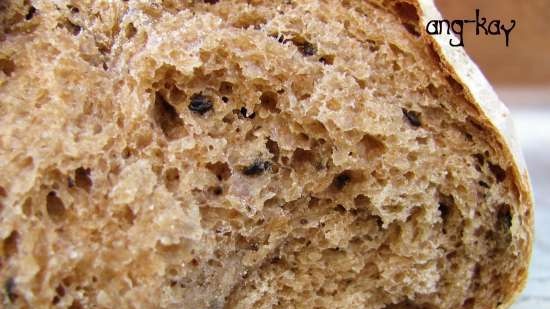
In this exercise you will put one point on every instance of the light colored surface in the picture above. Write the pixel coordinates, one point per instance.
(533, 127)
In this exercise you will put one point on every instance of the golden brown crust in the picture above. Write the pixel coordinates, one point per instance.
(479, 92)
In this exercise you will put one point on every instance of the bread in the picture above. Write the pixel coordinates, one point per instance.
(252, 154)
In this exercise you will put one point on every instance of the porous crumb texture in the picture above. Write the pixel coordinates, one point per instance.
(245, 154)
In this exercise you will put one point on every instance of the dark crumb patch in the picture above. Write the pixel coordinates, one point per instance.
(73, 9)
(130, 31)
(83, 179)
(306, 48)
(256, 168)
(217, 190)
(498, 172)
(74, 29)
(166, 116)
(211, 1)
(340, 208)
(9, 288)
(504, 217)
(200, 104)
(480, 158)
(225, 99)
(503, 225)
(70, 182)
(226, 87)
(7, 66)
(30, 14)
(483, 184)
(244, 113)
(445, 210)
(279, 37)
(341, 181)
(413, 117)
(303, 221)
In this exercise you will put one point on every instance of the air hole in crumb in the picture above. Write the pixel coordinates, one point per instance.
(406, 11)
(469, 303)
(60, 293)
(243, 112)
(341, 180)
(412, 156)
(217, 190)
(126, 152)
(498, 172)
(76, 305)
(408, 15)
(229, 118)
(413, 117)
(220, 169)
(130, 31)
(361, 82)
(74, 29)
(300, 157)
(457, 87)
(9, 288)
(340, 208)
(484, 184)
(327, 59)
(268, 100)
(361, 201)
(7, 66)
(55, 207)
(226, 88)
(167, 118)
(306, 48)
(73, 9)
(30, 13)
(172, 178)
(10, 244)
(480, 158)
(446, 204)
(27, 207)
(273, 148)
(503, 225)
(83, 179)
(60, 290)
(394, 208)
(412, 29)
(248, 20)
(371, 147)
(444, 210)
(211, 1)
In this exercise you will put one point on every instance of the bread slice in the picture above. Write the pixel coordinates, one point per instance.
(252, 154)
